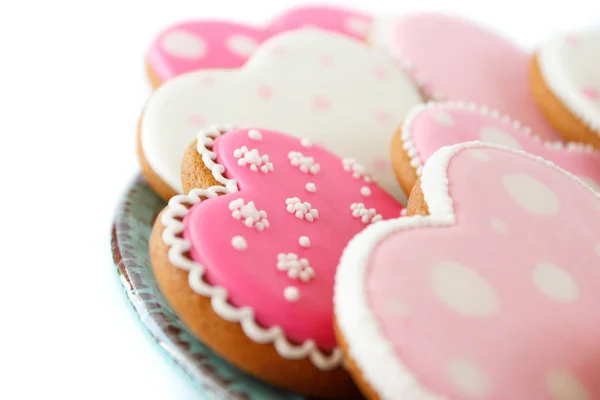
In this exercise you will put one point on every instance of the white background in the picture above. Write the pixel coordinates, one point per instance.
(72, 86)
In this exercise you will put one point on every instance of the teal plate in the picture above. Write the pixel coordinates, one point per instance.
(214, 377)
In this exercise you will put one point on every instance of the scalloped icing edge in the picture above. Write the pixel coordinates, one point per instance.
(372, 352)
(548, 57)
(171, 236)
(413, 154)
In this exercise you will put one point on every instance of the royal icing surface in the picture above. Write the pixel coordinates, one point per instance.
(570, 66)
(257, 247)
(434, 125)
(332, 89)
(506, 305)
(195, 45)
(454, 59)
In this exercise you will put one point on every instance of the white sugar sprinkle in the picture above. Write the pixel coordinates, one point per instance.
(239, 243)
(291, 294)
(304, 241)
(365, 191)
(311, 187)
(254, 134)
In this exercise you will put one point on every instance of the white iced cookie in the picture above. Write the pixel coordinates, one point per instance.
(566, 84)
(332, 89)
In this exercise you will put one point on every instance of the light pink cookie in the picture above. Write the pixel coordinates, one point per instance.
(492, 295)
(454, 59)
(207, 44)
(432, 126)
(261, 250)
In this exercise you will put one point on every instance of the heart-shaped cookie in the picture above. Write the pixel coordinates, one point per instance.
(248, 260)
(566, 85)
(207, 44)
(454, 59)
(327, 87)
(492, 293)
(434, 125)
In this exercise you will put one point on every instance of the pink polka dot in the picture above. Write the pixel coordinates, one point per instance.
(384, 117)
(266, 92)
(277, 51)
(321, 103)
(325, 60)
(381, 164)
(197, 120)
(207, 80)
(572, 41)
(591, 93)
(381, 73)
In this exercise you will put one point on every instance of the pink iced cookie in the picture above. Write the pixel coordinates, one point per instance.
(434, 125)
(493, 295)
(454, 59)
(274, 238)
(195, 45)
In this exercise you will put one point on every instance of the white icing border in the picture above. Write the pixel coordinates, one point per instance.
(413, 154)
(549, 61)
(369, 348)
(171, 219)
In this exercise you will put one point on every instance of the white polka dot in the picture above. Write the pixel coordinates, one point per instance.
(397, 307)
(304, 241)
(306, 142)
(365, 191)
(254, 134)
(463, 290)
(311, 187)
(592, 183)
(468, 378)
(564, 386)
(498, 225)
(497, 136)
(555, 282)
(183, 44)
(480, 155)
(358, 26)
(291, 294)
(239, 243)
(241, 45)
(443, 117)
(531, 194)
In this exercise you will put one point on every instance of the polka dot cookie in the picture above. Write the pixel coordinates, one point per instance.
(207, 44)
(455, 59)
(326, 87)
(247, 259)
(434, 125)
(566, 85)
(488, 289)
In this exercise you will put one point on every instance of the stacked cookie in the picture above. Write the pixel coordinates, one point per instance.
(286, 154)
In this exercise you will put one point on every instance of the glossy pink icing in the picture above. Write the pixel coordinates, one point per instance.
(455, 59)
(445, 125)
(510, 334)
(251, 275)
(194, 45)
(503, 303)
